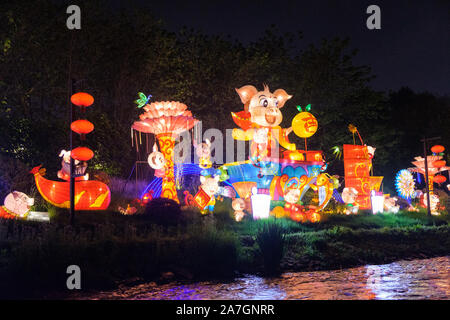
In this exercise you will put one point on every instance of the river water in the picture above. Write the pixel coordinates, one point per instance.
(415, 279)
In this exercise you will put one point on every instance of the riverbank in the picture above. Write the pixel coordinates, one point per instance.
(400, 280)
(114, 250)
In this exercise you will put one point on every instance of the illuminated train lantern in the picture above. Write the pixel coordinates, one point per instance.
(89, 194)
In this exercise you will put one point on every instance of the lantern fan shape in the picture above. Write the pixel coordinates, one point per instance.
(82, 154)
(82, 99)
(82, 126)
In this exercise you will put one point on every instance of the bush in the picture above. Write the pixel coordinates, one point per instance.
(271, 239)
(164, 212)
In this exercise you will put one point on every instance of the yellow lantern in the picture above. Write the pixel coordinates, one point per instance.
(304, 124)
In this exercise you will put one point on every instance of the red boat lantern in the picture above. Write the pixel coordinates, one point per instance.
(439, 179)
(82, 154)
(82, 127)
(82, 99)
(437, 149)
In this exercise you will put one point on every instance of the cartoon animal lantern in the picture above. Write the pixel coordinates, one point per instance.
(259, 147)
(434, 199)
(238, 205)
(166, 119)
(262, 110)
(291, 197)
(17, 205)
(157, 161)
(390, 204)
(80, 166)
(205, 198)
(203, 151)
(349, 196)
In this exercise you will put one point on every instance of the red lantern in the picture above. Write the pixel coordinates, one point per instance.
(82, 99)
(82, 126)
(439, 179)
(437, 149)
(82, 154)
(439, 163)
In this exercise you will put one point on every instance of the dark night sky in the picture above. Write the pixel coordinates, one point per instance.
(412, 48)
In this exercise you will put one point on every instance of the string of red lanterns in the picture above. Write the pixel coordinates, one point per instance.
(82, 126)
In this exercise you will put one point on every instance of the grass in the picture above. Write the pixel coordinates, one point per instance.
(110, 247)
(271, 241)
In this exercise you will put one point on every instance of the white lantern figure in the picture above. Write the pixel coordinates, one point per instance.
(260, 205)
(377, 199)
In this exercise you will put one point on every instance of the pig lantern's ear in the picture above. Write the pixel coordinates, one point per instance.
(282, 97)
(202, 179)
(246, 93)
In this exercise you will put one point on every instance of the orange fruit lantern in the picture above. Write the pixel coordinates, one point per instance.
(82, 154)
(304, 124)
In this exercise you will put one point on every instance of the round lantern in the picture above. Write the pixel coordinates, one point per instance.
(82, 154)
(82, 126)
(439, 163)
(304, 124)
(437, 149)
(82, 99)
(439, 179)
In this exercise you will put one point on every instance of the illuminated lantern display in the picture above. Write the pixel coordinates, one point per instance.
(357, 166)
(205, 198)
(404, 183)
(82, 127)
(389, 205)
(17, 205)
(260, 205)
(437, 149)
(238, 206)
(82, 154)
(434, 167)
(377, 199)
(349, 196)
(89, 195)
(304, 124)
(203, 152)
(263, 179)
(82, 99)
(439, 163)
(166, 119)
(157, 161)
(439, 179)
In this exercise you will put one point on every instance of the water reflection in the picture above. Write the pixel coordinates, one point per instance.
(417, 279)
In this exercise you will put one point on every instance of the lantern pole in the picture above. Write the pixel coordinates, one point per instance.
(424, 140)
